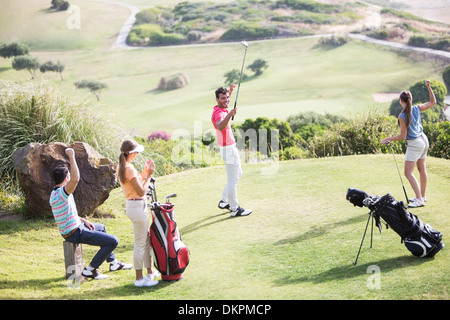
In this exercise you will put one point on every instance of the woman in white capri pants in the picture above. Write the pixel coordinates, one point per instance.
(134, 187)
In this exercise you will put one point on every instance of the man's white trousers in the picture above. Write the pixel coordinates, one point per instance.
(230, 155)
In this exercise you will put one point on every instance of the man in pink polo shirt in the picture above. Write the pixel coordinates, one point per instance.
(221, 121)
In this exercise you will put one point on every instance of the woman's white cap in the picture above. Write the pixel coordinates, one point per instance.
(138, 149)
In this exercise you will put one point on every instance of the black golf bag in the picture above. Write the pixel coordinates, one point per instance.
(419, 238)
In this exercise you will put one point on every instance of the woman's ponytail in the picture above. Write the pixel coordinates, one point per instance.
(406, 97)
(127, 146)
(121, 167)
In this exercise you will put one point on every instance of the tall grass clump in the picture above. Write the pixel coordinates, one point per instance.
(38, 112)
(361, 135)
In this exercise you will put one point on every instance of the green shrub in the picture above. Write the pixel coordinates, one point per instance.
(309, 124)
(140, 34)
(293, 153)
(420, 92)
(417, 41)
(186, 7)
(361, 135)
(249, 31)
(14, 49)
(440, 44)
(379, 34)
(148, 16)
(60, 5)
(420, 95)
(313, 17)
(334, 41)
(193, 36)
(26, 63)
(10, 200)
(309, 5)
(446, 77)
(152, 34)
(161, 38)
(286, 137)
(438, 135)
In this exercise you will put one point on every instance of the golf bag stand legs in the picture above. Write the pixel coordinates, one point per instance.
(364, 235)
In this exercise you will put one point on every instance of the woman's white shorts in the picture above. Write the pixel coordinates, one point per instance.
(417, 148)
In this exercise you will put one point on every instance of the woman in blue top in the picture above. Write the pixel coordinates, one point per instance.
(411, 129)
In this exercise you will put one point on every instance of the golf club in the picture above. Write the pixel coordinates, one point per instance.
(245, 44)
(404, 190)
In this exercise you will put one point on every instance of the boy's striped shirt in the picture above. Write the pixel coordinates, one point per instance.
(64, 211)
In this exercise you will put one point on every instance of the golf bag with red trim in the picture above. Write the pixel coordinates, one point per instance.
(170, 254)
(419, 238)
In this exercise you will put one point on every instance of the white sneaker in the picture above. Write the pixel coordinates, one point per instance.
(93, 274)
(223, 205)
(118, 265)
(145, 282)
(412, 199)
(416, 203)
(240, 212)
(153, 275)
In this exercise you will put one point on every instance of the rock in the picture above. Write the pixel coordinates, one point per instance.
(34, 164)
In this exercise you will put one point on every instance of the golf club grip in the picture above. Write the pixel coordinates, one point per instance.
(232, 118)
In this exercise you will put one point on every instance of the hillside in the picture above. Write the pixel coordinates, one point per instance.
(302, 75)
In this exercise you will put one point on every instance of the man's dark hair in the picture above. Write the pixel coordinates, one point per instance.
(59, 174)
(221, 90)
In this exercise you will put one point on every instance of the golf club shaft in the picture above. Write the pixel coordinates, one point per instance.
(401, 180)
(240, 78)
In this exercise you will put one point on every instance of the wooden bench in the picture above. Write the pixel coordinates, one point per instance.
(73, 258)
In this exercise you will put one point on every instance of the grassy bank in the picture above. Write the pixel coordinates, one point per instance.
(300, 242)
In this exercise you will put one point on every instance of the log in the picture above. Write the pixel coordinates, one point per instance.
(73, 258)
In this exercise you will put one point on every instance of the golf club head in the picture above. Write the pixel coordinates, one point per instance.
(172, 195)
(244, 43)
(356, 197)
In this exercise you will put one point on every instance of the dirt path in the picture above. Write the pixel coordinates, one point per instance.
(121, 41)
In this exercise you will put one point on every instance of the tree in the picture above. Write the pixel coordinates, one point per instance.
(26, 62)
(60, 5)
(94, 86)
(258, 65)
(232, 76)
(446, 77)
(420, 94)
(14, 49)
(52, 67)
(286, 138)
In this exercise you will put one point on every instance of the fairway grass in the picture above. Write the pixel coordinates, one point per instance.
(303, 236)
(300, 242)
(33, 23)
(301, 77)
